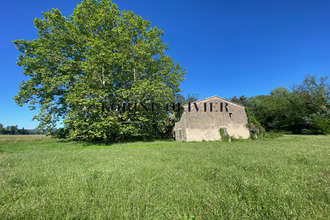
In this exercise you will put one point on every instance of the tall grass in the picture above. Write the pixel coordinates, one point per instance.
(283, 178)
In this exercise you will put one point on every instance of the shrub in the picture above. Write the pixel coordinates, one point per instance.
(321, 124)
(272, 134)
(254, 126)
(224, 135)
(60, 133)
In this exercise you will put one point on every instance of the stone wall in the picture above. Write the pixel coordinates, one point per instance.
(203, 119)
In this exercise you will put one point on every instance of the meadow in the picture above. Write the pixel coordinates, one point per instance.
(283, 178)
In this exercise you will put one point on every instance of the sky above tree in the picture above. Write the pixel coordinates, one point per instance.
(229, 48)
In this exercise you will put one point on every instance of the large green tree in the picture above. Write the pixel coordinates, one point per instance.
(98, 55)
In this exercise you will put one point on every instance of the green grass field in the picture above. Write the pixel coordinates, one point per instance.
(283, 178)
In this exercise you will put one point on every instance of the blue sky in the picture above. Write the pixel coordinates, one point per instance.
(228, 47)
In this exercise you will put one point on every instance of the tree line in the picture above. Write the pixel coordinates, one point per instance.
(14, 130)
(302, 109)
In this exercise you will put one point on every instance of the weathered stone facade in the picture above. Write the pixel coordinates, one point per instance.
(203, 119)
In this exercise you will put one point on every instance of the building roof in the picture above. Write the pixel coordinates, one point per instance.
(215, 96)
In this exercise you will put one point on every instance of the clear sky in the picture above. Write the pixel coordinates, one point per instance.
(228, 47)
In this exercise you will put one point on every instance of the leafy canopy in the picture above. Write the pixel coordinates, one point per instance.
(304, 109)
(96, 56)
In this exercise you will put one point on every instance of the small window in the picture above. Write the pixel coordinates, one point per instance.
(225, 132)
(231, 115)
(180, 135)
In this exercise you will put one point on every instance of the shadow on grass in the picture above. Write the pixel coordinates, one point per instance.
(87, 143)
(148, 139)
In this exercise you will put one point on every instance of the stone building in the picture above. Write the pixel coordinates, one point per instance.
(201, 120)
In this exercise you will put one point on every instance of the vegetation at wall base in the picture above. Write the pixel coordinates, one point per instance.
(282, 178)
(254, 126)
(224, 135)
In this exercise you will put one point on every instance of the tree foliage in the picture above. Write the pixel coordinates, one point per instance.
(304, 109)
(97, 56)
